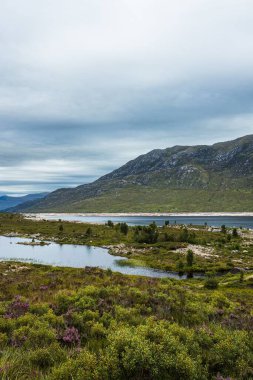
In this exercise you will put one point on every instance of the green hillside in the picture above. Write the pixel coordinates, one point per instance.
(181, 178)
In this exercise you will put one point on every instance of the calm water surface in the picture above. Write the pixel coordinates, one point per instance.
(216, 221)
(75, 256)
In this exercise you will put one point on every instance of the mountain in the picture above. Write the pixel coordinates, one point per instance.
(8, 201)
(218, 177)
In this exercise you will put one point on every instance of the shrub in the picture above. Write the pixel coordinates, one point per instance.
(146, 234)
(98, 330)
(85, 366)
(189, 258)
(235, 233)
(39, 309)
(17, 308)
(211, 283)
(124, 228)
(47, 356)
(39, 335)
(6, 325)
(3, 340)
(88, 232)
(71, 336)
(158, 350)
(223, 229)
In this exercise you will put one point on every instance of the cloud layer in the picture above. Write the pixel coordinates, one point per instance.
(86, 85)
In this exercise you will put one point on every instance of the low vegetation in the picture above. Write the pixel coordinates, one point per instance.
(163, 248)
(63, 323)
(76, 324)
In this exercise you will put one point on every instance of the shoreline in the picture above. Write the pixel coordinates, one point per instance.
(137, 214)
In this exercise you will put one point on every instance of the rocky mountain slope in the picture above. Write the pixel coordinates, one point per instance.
(182, 178)
(10, 201)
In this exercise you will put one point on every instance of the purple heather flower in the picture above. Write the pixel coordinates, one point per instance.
(71, 336)
(16, 308)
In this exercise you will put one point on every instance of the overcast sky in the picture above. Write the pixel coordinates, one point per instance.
(86, 85)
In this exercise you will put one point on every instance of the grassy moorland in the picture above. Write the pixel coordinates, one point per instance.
(136, 198)
(76, 324)
(145, 199)
(65, 324)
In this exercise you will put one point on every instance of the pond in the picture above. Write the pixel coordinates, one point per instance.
(75, 256)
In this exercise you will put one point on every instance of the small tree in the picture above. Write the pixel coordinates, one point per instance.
(88, 231)
(167, 222)
(61, 228)
(223, 229)
(184, 235)
(180, 266)
(189, 258)
(110, 223)
(124, 228)
(235, 233)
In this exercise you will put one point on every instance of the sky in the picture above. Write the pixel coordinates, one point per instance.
(87, 85)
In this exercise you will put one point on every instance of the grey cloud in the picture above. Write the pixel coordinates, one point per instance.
(87, 85)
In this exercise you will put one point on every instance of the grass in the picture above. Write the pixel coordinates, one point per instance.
(158, 199)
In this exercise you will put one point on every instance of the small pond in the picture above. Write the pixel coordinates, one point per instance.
(75, 256)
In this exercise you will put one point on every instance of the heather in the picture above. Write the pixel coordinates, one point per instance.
(63, 323)
(74, 324)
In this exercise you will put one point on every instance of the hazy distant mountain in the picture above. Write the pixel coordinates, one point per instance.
(9, 201)
(183, 178)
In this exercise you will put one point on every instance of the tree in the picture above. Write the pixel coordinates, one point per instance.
(146, 234)
(180, 266)
(234, 233)
(110, 223)
(189, 258)
(184, 235)
(223, 229)
(88, 231)
(61, 228)
(167, 222)
(124, 228)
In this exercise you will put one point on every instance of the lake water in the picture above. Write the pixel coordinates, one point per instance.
(211, 220)
(75, 256)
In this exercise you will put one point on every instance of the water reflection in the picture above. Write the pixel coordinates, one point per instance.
(76, 256)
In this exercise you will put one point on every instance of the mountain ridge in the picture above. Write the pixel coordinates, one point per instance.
(7, 201)
(170, 174)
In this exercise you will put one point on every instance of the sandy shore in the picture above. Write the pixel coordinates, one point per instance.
(126, 214)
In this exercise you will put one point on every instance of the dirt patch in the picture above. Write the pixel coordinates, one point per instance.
(198, 250)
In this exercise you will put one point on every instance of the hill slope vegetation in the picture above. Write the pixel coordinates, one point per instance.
(182, 178)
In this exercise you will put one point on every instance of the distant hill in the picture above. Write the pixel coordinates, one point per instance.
(182, 178)
(8, 201)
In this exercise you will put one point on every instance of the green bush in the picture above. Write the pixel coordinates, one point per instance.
(3, 340)
(46, 357)
(38, 335)
(211, 283)
(85, 366)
